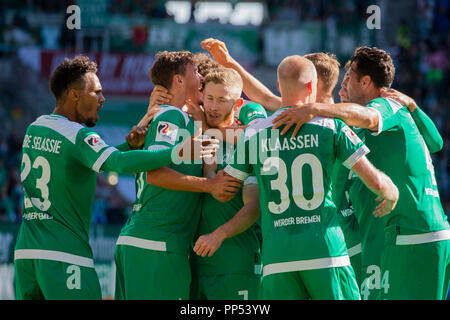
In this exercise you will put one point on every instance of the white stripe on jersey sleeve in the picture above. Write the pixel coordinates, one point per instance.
(100, 160)
(358, 154)
(235, 173)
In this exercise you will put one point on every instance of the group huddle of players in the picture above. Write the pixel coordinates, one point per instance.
(282, 197)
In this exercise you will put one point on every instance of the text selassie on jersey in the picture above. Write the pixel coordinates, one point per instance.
(166, 217)
(299, 220)
(59, 165)
(399, 150)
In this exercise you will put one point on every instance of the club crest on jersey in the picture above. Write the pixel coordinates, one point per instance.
(166, 132)
(95, 142)
(351, 135)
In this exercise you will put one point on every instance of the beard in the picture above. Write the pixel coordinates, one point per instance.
(90, 123)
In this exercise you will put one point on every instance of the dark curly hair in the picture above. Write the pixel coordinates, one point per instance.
(167, 64)
(70, 74)
(375, 63)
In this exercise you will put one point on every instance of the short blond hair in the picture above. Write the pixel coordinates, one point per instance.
(327, 67)
(226, 76)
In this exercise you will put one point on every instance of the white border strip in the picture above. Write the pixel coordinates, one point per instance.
(302, 265)
(358, 154)
(423, 238)
(380, 122)
(353, 251)
(141, 243)
(54, 256)
(235, 173)
(100, 160)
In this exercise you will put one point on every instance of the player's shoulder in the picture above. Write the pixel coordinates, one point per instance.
(59, 124)
(171, 113)
(332, 124)
(386, 103)
(257, 126)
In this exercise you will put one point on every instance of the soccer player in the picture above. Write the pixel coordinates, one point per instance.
(52, 257)
(153, 247)
(415, 249)
(227, 260)
(304, 253)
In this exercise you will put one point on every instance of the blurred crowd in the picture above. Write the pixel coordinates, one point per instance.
(422, 61)
(420, 53)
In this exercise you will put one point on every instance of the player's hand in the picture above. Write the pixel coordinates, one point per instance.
(207, 244)
(297, 115)
(401, 98)
(136, 137)
(160, 95)
(223, 187)
(219, 51)
(197, 147)
(388, 203)
(210, 166)
(195, 111)
(147, 118)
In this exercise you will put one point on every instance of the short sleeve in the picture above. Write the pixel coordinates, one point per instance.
(167, 129)
(386, 110)
(91, 150)
(349, 147)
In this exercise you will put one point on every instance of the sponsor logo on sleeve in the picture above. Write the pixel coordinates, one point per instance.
(95, 142)
(166, 132)
(351, 135)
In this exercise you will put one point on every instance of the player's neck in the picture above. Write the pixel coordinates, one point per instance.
(325, 98)
(289, 101)
(65, 111)
(178, 99)
(371, 95)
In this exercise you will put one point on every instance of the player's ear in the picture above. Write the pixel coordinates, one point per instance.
(239, 102)
(365, 80)
(177, 81)
(73, 94)
(278, 87)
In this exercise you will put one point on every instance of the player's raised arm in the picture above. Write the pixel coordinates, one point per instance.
(147, 160)
(253, 88)
(380, 184)
(207, 244)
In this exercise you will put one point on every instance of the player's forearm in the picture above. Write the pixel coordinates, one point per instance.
(428, 130)
(378, 182)
(256, 90)
(168, 178)
(137, 160)
(352, 114)
(241, 221)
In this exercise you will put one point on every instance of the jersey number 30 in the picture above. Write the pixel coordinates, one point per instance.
(297, 182)
(41, 183)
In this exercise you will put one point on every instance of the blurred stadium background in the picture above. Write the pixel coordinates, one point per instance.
(122, 36)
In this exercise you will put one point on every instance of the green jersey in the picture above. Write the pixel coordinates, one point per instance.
(236, 255)
(167, 219)
(299, 222)
(249, 112)
(59, 165)
(399, 150)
